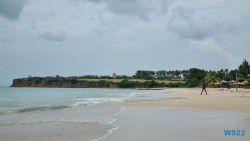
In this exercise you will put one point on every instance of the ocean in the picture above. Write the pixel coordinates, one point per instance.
(63, 114)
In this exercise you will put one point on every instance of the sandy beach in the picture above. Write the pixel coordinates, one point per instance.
(217, 99)
(191, 117)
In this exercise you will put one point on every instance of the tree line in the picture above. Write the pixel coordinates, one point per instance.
(192, 77)
(74, 82)
(145, 75)
(197, 76)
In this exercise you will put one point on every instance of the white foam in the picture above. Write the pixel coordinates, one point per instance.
(116, 127)
(45, 121)
(93, 101)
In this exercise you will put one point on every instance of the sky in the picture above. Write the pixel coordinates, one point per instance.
(100, 37)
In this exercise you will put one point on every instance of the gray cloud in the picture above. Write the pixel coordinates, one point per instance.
(12, 8)
(5, 40)
(129, 7)
(137, 8)
(165, 4)
(187, 24)
(54, 36)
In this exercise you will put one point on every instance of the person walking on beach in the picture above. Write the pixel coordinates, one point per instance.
(203, 85)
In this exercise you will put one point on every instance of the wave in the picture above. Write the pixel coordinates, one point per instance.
(45, 108)
(107, 120)
(93, 101)
(47, 121)
(133, 96)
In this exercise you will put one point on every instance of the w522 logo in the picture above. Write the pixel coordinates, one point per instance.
(234, 132)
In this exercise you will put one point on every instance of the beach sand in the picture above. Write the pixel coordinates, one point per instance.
(192, 117)
(217, 99)
(143, 123)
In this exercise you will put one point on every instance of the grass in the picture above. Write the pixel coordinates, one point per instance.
(139, 80)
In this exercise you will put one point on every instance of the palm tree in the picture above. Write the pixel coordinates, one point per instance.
(211, 78)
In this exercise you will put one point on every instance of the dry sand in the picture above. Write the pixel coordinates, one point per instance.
(217, 99)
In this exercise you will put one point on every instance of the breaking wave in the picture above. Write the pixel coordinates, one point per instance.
(39, 109)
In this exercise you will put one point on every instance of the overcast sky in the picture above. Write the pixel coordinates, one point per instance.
(80, 37)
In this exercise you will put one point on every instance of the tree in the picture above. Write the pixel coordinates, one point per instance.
(72, 80)
(221, 74)
(184, 73)
(244, 69)
(126, 84)
(177, 73)
(232, 74)
(195, 77)
(211, 78)
(147, 75)
(150, 84)
(161, 74)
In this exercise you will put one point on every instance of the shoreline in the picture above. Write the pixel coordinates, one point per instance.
(217, 99)
(150, 123)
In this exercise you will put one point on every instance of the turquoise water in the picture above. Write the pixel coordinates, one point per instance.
(62, 114)
(35, 99)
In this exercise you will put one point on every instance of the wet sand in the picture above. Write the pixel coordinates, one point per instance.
(190, 117)
(217, 99)
(53, 131)
(178, 124)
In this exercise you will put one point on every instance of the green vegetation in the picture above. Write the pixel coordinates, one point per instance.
(142, 79)
(211, 78)
(136, 80)
(59, 81)
(195, 77)
(244, 69)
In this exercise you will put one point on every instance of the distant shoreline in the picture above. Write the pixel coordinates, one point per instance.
(74, 82)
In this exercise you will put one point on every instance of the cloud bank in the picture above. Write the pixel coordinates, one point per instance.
(187, 24)
(101, 37)
(12, 9)
(135, 8)
(53, 36)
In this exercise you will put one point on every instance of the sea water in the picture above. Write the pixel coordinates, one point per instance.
(84, 114)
